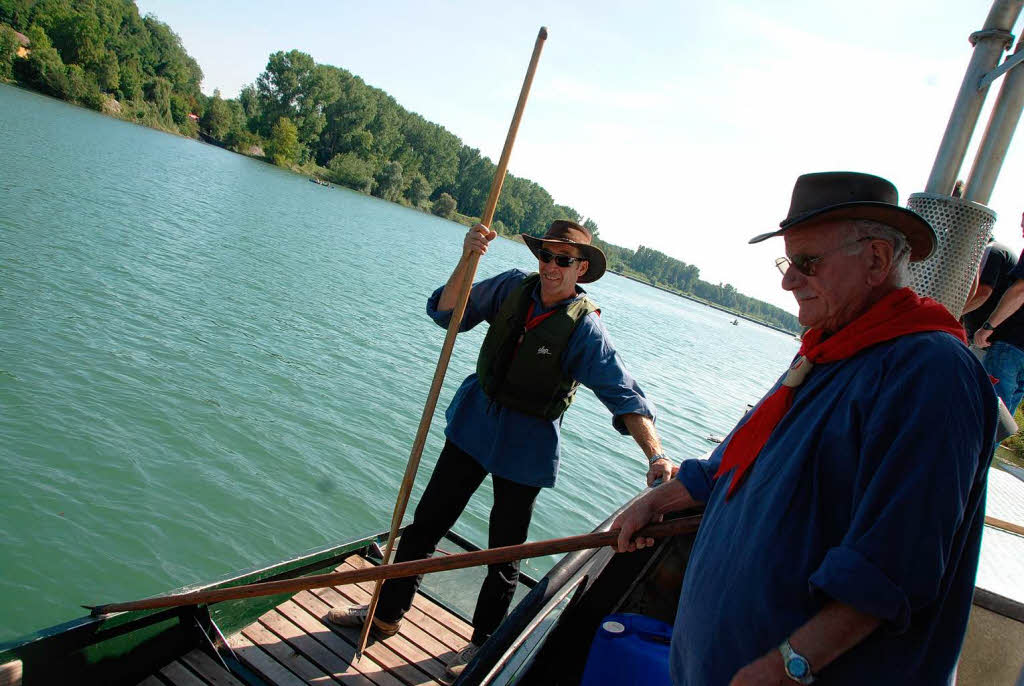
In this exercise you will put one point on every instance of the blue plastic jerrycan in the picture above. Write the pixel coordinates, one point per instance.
(629, 649)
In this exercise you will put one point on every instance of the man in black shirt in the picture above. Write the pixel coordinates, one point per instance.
(993, 280)
(1003, 334)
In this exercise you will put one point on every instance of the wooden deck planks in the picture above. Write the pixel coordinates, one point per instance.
(209, 669)
(262, 662)
(293, 645)
(180, 675)
(315, 609)
(407, 650)
(411, 629)
(339, 653)
(383, 654)
(285, 654)
(425, 605)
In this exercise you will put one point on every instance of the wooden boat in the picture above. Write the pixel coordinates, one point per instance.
(545, 640)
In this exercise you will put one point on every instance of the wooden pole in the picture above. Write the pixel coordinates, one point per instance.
(476, 558)
(1004, 526)
(449, 341)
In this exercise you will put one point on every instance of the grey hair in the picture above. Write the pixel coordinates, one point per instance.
(869, 228)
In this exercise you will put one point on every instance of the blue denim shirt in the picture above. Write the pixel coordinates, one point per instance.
(869, 491)
(513, 445)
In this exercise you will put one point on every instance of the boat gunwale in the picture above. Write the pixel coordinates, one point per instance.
(83, 632)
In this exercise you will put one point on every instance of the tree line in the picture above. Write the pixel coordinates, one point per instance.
(318, 119)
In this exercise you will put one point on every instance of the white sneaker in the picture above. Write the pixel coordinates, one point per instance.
(459, 662)
(355, 616)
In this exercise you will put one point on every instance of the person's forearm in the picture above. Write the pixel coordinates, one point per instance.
(823, 638)
(641, 428)
(450, 293)
(978, 299)
(1011, 301)
(672, 496)
(832, 632)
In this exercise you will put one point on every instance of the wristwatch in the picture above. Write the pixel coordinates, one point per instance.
(655, 457)
(988, 326)
(797, 667)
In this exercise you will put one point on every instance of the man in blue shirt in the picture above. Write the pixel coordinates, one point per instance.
(843, 514)
(545, 337)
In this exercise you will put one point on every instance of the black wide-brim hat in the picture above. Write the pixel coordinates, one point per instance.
(571, 233)
(833, 196)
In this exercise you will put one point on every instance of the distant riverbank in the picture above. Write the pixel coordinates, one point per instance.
(712, 305)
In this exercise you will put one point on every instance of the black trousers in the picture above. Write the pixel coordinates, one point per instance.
(456, 477)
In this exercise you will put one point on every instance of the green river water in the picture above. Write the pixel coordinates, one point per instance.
(208, 363)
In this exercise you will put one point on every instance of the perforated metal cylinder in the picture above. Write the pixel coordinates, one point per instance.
(962, 228)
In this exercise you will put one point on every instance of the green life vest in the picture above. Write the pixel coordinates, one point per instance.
(522, 370)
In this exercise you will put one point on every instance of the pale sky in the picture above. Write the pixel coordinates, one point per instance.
(680, 126)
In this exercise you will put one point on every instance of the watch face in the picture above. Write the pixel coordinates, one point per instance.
(797, 667)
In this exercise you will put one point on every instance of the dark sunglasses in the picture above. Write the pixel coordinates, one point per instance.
(805, 263)
(546, 256)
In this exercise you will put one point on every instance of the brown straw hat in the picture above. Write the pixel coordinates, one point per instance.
(571, 233)
(830, 196)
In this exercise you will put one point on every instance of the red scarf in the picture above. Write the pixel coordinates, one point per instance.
(899, 313)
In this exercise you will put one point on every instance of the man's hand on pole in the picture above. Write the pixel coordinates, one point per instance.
(637, 516)
(476, 240)
(475, 243)
(671, 496)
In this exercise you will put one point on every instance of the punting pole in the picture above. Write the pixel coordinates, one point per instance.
(449, 340)
(989, 44)
(476, 558)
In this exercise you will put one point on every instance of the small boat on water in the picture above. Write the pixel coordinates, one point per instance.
(545, 640)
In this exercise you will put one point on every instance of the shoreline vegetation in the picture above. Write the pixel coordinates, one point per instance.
(314, 119)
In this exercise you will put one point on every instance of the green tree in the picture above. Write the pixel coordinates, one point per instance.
(8, 51)
(249, 101)
(158, 91)
(108, 72)
(218, 119)
(390, 181)
(45, 69)
(180, 108)
(510, 211)
(283, 147)
(444, 206)
(295, 87)
(591, 226)
(418, 191)
(130, 81)
(348, 169)
(17, 13)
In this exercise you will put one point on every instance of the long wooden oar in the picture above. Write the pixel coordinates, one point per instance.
(1004, 525)
(449, 342)
(402, 569)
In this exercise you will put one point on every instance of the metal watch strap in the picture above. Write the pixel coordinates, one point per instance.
(790, 656)
(655, 457)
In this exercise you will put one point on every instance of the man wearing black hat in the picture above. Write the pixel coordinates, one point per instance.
(843, 514)
(545, 337)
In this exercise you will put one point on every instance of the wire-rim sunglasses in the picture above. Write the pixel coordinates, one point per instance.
(805, 263)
